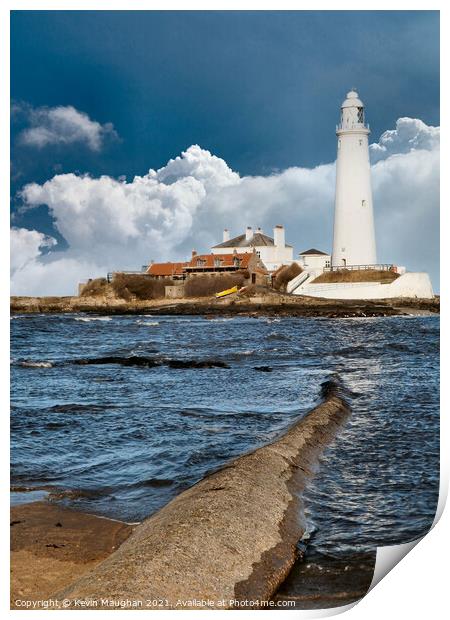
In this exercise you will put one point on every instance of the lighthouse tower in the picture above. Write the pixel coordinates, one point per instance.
(354, 233)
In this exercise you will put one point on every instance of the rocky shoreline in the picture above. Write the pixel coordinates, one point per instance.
(275, 305)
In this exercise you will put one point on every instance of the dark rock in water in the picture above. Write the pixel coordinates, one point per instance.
(263, 368)
(183, 364)
(134, 360)
(149, 362)
(334, 388)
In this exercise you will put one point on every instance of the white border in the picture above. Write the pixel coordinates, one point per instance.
(417, 587)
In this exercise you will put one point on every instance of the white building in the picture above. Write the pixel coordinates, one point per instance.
(273, 252)
(354, 232)
(313, 259)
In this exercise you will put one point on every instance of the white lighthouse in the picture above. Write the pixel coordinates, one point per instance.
(354, 233)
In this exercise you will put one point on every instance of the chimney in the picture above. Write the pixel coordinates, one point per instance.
(259, 229)
(278, 236)
(248, 233)
(194, 253)
(226, 235)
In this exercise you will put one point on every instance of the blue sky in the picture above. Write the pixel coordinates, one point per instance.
(261, 90)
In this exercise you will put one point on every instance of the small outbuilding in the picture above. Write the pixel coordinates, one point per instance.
(314, 259)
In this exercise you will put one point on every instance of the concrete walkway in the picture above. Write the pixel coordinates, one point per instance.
(229, 538)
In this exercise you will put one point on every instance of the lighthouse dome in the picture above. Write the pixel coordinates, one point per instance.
(352, 100)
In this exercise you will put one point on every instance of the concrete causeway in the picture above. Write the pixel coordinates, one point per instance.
(228, 539)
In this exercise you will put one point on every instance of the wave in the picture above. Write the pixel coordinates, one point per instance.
(238, 354)
(28, 364)
(149, 323)
(88, 319)
(156, 482)
(74, 494)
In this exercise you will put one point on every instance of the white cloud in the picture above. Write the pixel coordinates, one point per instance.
(110, 224)
(26, 246)
(61, 125)
(410, 134)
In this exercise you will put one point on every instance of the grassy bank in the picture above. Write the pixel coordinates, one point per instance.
(358, 275)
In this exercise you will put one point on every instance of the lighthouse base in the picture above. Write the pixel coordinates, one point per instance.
(408, 285)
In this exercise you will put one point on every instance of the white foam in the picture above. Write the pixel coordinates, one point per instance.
(87, 319)
(36, 364)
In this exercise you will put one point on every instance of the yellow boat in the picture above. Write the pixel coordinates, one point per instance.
(227, 292)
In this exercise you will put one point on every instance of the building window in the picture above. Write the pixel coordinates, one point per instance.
(217, 262)
(327, 263)
(360, 115)
(360, 143)
(258, 254)
(363, 203)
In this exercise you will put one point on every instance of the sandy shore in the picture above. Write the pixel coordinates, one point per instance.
(52, 546)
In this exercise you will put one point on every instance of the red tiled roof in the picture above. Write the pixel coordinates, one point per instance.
(166, 269)
(208, 261)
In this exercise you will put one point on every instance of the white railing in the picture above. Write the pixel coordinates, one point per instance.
(377, 267)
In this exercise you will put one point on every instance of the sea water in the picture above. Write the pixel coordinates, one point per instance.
(122, 440)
